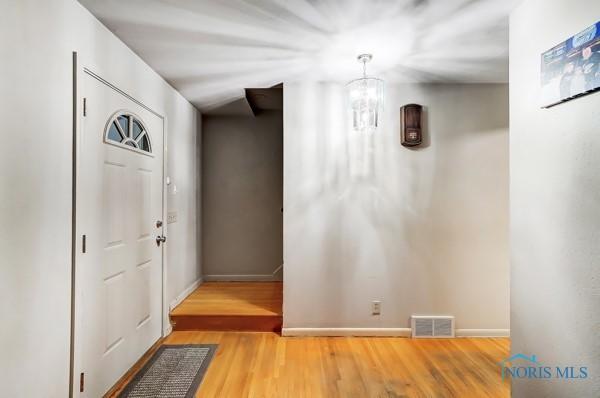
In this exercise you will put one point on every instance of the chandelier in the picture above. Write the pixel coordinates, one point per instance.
(365, 96)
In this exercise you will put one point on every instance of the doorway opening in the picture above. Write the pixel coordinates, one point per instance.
(242, 217)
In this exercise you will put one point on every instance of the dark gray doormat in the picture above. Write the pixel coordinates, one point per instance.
(174, 371)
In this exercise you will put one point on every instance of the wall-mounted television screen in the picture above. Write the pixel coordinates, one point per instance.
(571, 68)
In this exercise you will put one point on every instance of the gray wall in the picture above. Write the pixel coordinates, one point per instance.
(423, 230)
(242, 177)
(555, 207)
(37, 39)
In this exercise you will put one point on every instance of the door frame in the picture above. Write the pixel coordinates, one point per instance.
(80, 70)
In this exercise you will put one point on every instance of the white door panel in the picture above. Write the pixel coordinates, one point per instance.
(119, 201)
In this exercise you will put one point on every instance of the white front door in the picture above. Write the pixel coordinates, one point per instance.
(119, 202)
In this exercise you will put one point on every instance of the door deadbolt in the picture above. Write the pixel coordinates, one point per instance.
(158, 224)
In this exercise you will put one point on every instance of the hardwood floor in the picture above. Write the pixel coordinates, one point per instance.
(239, 298)
(268, 365)
(241, 306)
(251, 364)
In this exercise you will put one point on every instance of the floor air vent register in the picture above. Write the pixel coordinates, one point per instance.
(432, 326)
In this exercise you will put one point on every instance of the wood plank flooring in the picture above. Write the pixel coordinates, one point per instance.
(268, 365)
(227, 306)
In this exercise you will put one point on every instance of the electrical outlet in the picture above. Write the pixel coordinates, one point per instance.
(171, 217)
(376, 307)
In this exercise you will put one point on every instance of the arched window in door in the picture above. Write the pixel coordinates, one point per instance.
(127, 130)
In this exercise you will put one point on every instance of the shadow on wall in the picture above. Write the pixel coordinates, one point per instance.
(354, 199)
(367, 217)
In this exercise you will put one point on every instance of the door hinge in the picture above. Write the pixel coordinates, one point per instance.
(83, 243)
(85, 107)
(81, 381)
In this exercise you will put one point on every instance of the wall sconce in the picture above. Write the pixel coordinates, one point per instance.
(410, 125)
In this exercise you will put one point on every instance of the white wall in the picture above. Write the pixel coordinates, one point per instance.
(425, 231)
(555, 207)
(36, 42)
(242, 196)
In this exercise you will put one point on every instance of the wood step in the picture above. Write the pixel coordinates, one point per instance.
(231, 306)
(244, 323)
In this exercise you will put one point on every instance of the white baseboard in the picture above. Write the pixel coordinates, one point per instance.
(482, 332)
(186, 292)
(388, 332)
(277, 275)
(167, 331)
(238, 278)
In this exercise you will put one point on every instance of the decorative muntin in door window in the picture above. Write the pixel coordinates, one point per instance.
(127, 130)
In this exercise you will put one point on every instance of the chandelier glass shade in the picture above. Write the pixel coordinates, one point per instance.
(365, 96)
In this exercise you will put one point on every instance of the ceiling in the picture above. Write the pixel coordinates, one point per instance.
(210, 50)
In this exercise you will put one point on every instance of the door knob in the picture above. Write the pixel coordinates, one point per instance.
(160, 239)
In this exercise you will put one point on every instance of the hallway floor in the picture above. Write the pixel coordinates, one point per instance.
(239, 306)
(267, 365)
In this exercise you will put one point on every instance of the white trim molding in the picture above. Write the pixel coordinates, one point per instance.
(167, 331)
(186, 292)
(239, 278)
(277, 275)
(482, 333)
(363, 332)
(386, 332)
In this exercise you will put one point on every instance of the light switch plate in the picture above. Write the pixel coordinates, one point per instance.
(376, 307)
(171, 217)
